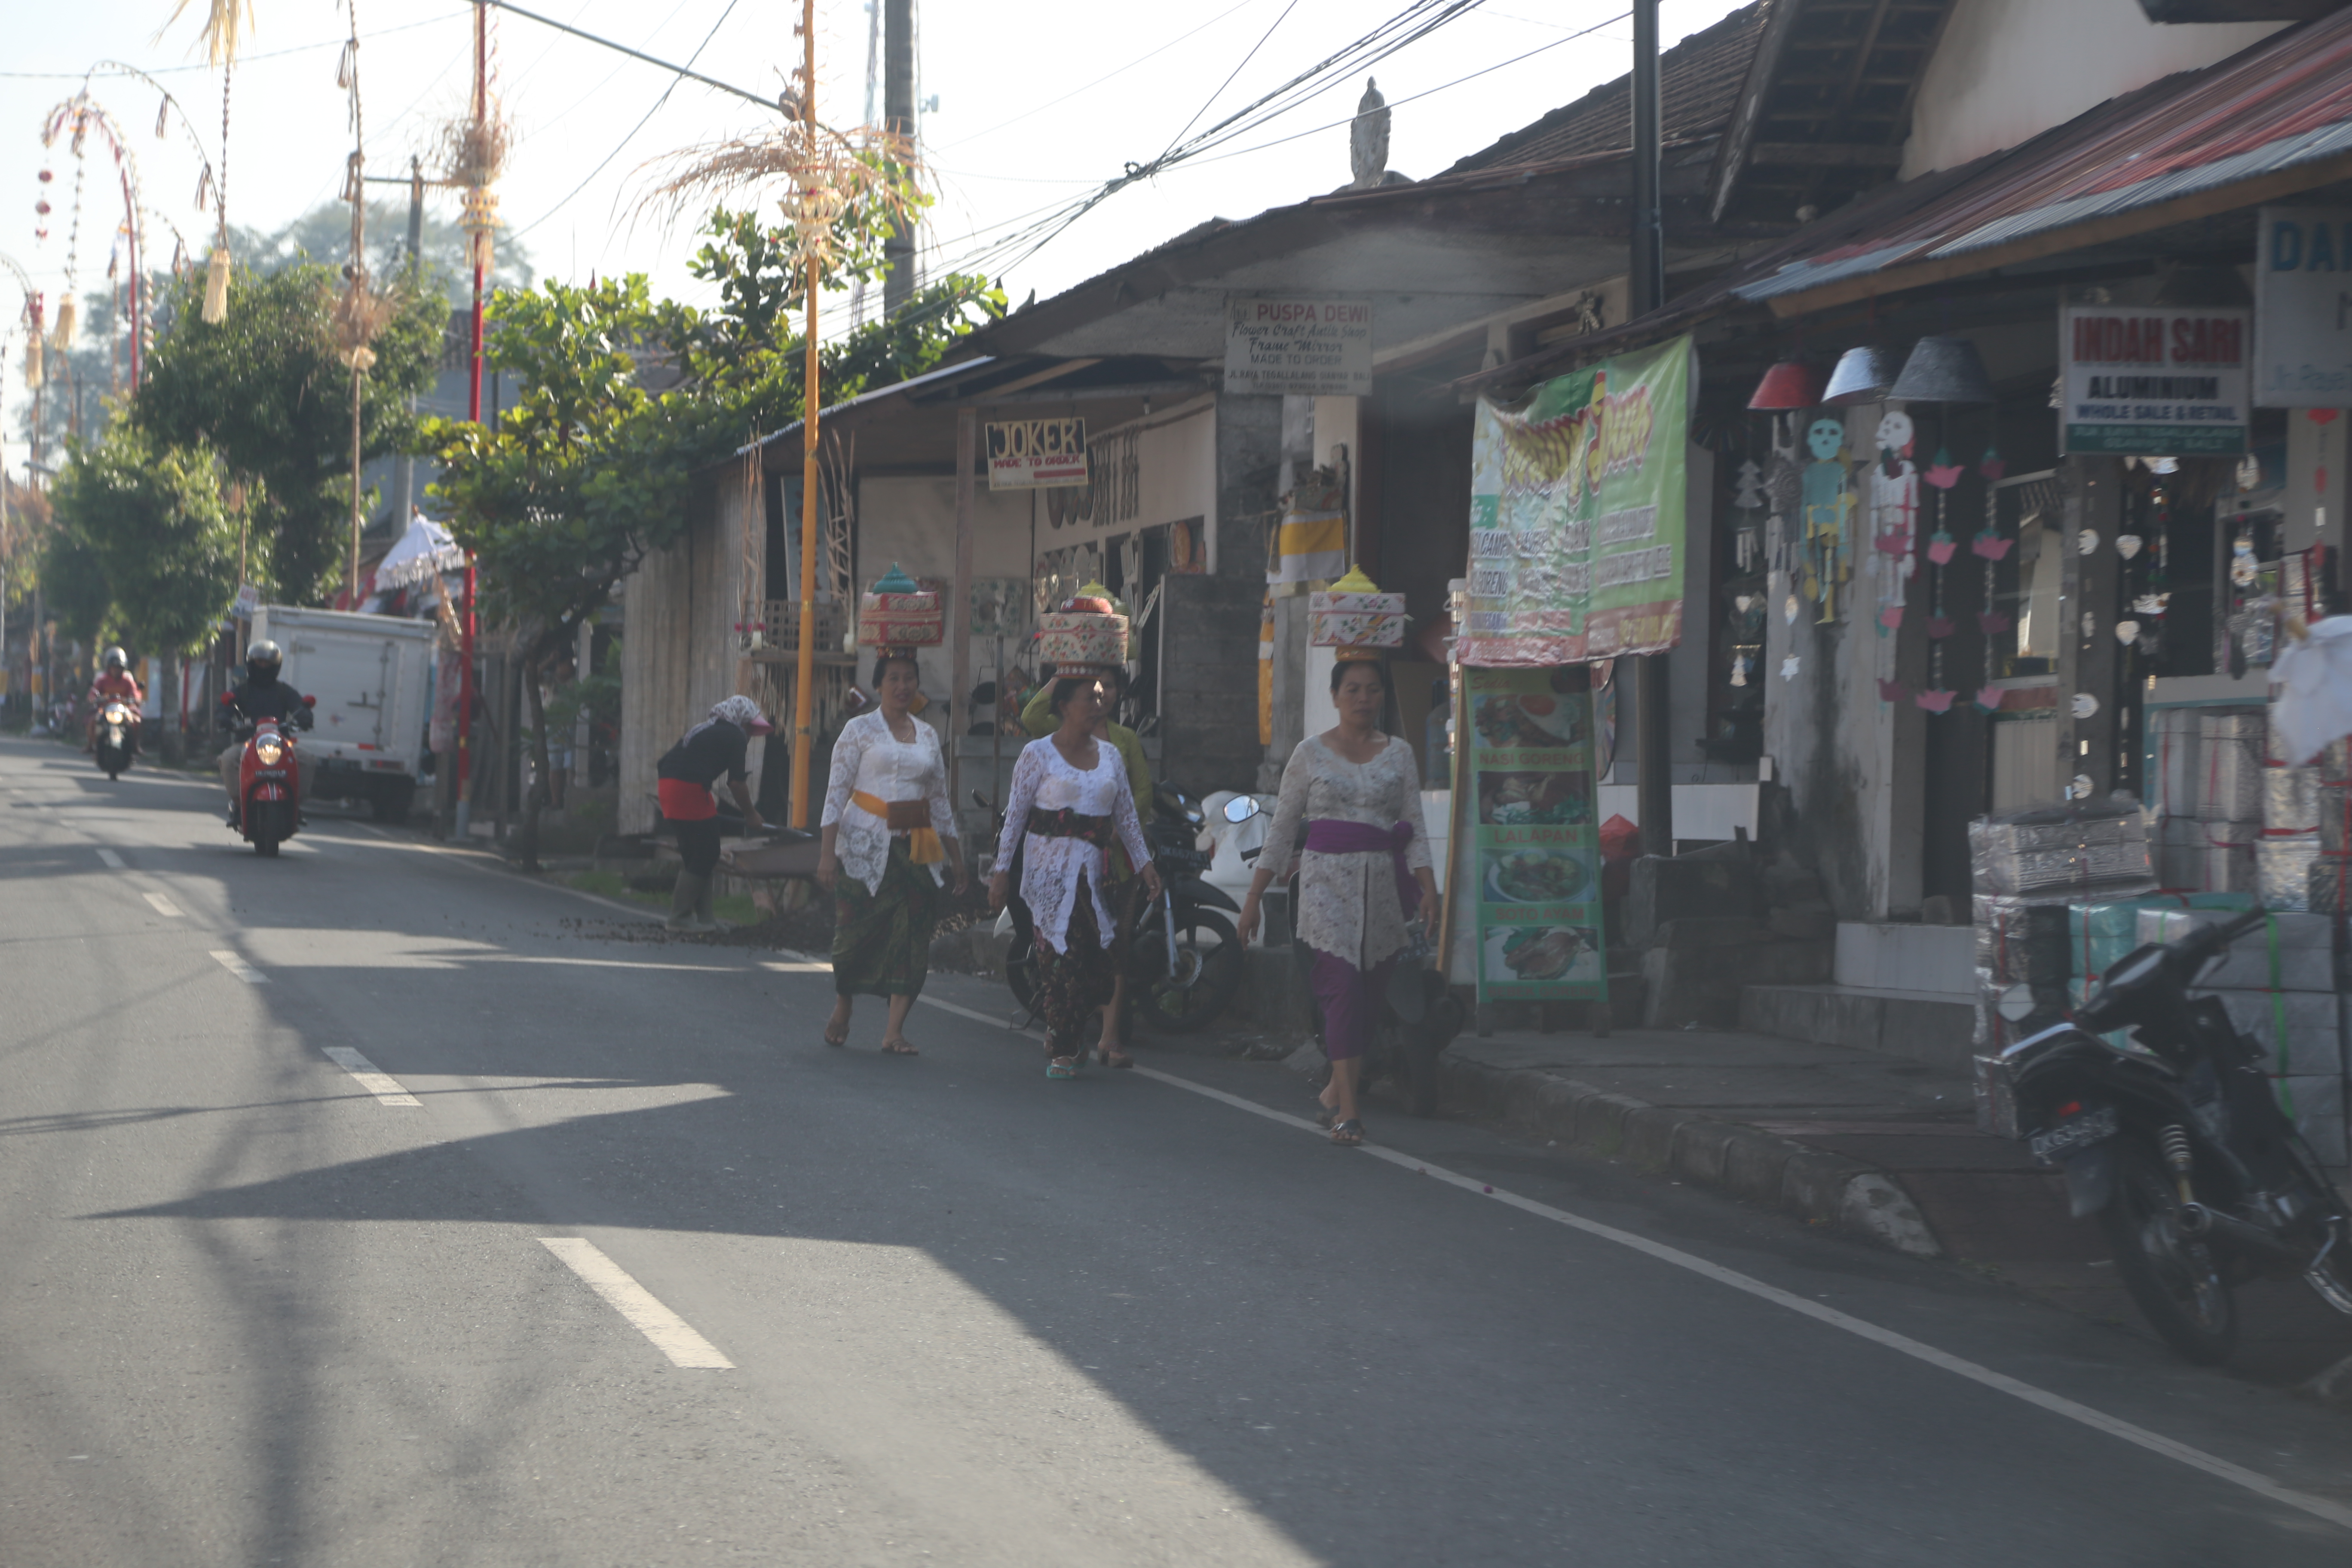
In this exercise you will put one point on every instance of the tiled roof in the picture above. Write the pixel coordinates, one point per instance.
(1699, 81)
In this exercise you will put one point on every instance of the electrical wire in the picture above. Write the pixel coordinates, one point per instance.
(640, 125)
(1237, 70)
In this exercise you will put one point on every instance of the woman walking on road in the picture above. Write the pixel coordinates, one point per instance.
(685, 771)
(1069, 800)
(888, 824)
(1363, 871)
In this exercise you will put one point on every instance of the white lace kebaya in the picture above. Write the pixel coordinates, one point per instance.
(1052, 867)
(869, 758)
(1347, 904)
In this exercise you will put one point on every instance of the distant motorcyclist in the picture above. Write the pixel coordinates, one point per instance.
(263, 696)
(114, 682)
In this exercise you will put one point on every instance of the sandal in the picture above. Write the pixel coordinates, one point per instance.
(1061, 1066)
(1348, 1133)
(1115, 1059)
(901, 1047)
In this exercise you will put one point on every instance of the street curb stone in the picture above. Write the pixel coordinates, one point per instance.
(1699, 1150)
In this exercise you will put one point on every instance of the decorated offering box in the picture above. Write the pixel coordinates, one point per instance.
(1083, 638)
(897, 614)
(1354, 613)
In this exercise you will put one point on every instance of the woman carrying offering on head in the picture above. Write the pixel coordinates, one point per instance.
(1068, 802)
(888, 844)
(1364, 870)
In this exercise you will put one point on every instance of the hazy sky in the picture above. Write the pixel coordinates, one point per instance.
(1038, 102)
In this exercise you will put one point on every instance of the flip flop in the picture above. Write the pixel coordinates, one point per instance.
(900, 1048)
(1060, 1069)
(1348, 1133)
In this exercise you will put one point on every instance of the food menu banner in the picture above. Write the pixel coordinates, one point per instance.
(1576, 515)
(1535, 836)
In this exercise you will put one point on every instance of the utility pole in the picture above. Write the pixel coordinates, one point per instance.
(899, 118)
(1646, 292)
(403, 482)
(478, 234)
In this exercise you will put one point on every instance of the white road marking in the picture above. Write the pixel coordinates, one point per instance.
(802, 967)
(972, 1013)
(112, 858)
(670, 1333)
(2057, 1404)
(240, 968)
(386, 1088)
(163, 906)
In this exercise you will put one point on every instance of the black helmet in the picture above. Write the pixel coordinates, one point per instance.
(263, 662)
(116, 660)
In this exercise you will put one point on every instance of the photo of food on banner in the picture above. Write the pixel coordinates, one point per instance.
(1535, 844)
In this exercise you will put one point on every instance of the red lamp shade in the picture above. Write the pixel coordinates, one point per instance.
(1791, 384)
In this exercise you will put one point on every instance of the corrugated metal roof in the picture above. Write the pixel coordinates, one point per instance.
(2285, 102)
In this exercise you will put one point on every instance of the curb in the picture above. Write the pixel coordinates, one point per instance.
(1703, 1151)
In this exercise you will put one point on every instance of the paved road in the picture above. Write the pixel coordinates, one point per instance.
(647, 1274)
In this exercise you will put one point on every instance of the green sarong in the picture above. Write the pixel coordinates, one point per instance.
(882, 940)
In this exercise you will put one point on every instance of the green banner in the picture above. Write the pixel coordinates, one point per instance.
(1535, 835)
(1576, 515)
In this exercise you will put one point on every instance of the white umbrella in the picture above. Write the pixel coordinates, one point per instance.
(424, 553)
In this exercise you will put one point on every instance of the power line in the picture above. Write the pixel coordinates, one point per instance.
(768, 103)
(1121, 70)
(1237, 70)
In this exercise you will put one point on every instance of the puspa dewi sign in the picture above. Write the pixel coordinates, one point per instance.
(2156, 381)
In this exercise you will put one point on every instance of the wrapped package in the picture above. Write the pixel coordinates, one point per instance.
(2296, 1030)
(2333, 812)
(2330, 886)
(2230, 770)
(2094, 850)
(2100, 935)
(2023, 940)
(2289, 800)
(2316, 1104)
(2229, 856)
(2180, 760)
(2289, 951)
(2283, 864)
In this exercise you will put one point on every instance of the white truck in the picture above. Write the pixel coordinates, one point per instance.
(372, 677)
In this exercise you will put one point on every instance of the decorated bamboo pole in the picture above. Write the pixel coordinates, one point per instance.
(805, 678)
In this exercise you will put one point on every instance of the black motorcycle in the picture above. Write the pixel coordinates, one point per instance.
(1183, 957)
(2176, 1143)
(116, 740)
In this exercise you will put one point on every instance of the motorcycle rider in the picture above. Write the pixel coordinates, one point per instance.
(264, 696)
(114, 680)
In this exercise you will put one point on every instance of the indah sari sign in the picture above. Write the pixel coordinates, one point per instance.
(1535, 844)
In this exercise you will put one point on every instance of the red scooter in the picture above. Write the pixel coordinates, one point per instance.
(269, 787)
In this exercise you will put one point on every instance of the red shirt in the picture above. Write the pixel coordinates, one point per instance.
(124, 686)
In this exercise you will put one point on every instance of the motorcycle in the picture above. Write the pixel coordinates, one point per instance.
(1184, 957)
(117, 740)
(2175, 1139)
(269, 787)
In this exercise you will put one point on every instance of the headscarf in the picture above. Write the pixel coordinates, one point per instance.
(738, 710)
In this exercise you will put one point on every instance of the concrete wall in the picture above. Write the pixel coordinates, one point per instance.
(678, 653)
(911, 520)
(2009, 69)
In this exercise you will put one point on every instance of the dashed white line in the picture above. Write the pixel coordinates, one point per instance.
(386, 1088)
(240, 968)
(670, 1333)
(162, 905)
(112, 858)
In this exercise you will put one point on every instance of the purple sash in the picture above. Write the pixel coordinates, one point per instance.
(1334, 836)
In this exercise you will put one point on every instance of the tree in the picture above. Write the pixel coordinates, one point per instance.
(324, 234)
(266, 390)
(145, 527)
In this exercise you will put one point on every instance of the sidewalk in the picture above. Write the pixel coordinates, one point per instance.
(1880, 1146)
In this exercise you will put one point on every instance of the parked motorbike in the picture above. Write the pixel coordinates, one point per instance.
(1183, 957)
(117, 741)
(2176, 1142)
(269, 787)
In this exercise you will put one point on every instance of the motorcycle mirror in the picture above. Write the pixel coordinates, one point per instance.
(1241, 808)
(2017, 1004)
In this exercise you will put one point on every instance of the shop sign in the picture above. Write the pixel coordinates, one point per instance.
(2156, 380)
(1036, 454)
(1534, 840)
(1576, 515)
(2303, 308)
(1304, 345)
(248, 601)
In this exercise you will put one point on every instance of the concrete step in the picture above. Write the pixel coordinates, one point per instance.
(1936, 1029)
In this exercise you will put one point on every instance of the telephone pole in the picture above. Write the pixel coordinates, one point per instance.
(1646, 292)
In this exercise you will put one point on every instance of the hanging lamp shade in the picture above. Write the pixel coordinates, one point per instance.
(1863, 374)
(1791, 384)
(1944, 370)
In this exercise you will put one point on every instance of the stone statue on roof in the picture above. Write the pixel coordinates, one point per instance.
(1368, 138)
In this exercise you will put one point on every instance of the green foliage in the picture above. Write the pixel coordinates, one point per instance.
(323, 235)
(73, 585)
(144, 544)
(266, 390)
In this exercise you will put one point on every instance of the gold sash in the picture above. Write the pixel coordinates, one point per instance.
(911, 817)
